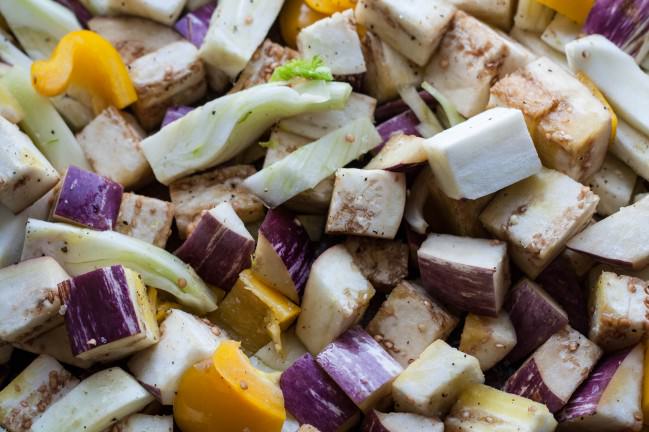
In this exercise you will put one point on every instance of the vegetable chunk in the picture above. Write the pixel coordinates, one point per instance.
(488, 339)
(145, 218)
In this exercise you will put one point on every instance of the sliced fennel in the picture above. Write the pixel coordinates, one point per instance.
(310, 164)
(80, 250)
(454, 117)
(9, 53)
(419, 192)
(226, 126)
(430, 125)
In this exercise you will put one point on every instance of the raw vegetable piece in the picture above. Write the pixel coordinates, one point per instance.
(335, 298)
(496, 13)
(10, 109)
(430, 124)
(535, 316)
(263, 63)
(618, 313)
(79, 10)
(25, 174)
(409, 321)
(625, 26)
(571, 128)
(219, 248)
(360, 367)
(256, 312)
(194, 24)
(618, 239)
(31, 302)
(144, 423)
(625, 86)
(400, 153)
(97, 402)
(192, 195)
(80, 251)
(367, 203)
(533, 42)
(33, 391)
(576, 10)
(220, 129)
(312, 397)
(610, 398)
(310, 69)
(405, 123)
(613, 184)
(632, 148)
(555, 370)
(54, 343)
(145, 218)
(304, 168)
(469, 274)
(296, 15)
(481, 407)
(292, 349)
(165, 12)
(560, 32)
(383, 262)
(111, 143)
(88, 200)
(335, 40)
(532, 16)
(400, 422)
(431, 384)
(488, 339)
(184, 341)
(504, 156)
(174, 113)
(284, 254)
(235, 32)
(538, 216)
(412, 28)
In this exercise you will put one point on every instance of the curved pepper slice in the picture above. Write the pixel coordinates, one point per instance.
(85, 60)
(227, 394)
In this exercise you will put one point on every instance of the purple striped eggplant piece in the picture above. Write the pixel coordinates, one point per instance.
(83, 15)
(195, 24)
(174, 113)
(623, 22)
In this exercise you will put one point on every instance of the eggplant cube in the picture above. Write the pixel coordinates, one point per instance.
(538, 216)
(111, 143)
(432, 383)
(400, 422)
(165, 12)
(144, 423)
(408, 321)
(367, 203)
(262, 65)
(312, 397)
(108, 314)
(34, 390)
(54, 343)
(25, 174)
(413, 28)
(88, 200)
(30, 299)
(145, 218)
(383, 262)
(482, 155)
(488, 339)
(196, 193)
(618, 311)
(219, 248)
(184, 341)
(498, 13)
(613, 184)
(360, 367)
(469, 274)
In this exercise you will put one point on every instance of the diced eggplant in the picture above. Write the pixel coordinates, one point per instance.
(483, 155)
(191, 195)
(312, 397)
(400, 422)
(532, 16)
(284, 253)
(610, 398)
(538, 216)
(613, 184)
(632, 147)
(409, 321)
(292, 349)
(30, 300)
(174, 113)
(367, 203)
(494, 12)
(165, 12)
(32, 392)
(184, 341)
(25, 174)
(54, 343)
(96, 403)
(560, 32)
(88, 200)
(125, 320)
(145, 218)
(535, 316)
(111, 143)
(488, 339)
(360, 367)
(413, 28)
(263, 63)
(144, 423)
(405, 123)
(383, 262)
(194, 25)
(335, 298)
(400, 153)
(431, 384)
(469, 274)
(484, 409)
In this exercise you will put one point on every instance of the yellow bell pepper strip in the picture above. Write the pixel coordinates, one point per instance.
(83, 59)
(576, 10)
(296, 15)
(598, 94)
(227, 394)
(329, 7)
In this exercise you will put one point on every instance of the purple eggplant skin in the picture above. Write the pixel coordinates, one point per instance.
(394, 107)
(358, 364)
(98, 308)
(83, 14)
(195, 24)
(217, 253)
(529, 383)
(314, 398)
(405, 123)
(623, 22)
(533, 317)
(174, 113)
(372, 423)
(88, 199)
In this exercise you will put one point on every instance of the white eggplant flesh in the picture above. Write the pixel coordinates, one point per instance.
(400, 152)
(144, 423)
(54, 343)
(400, 422)
(263, 63)
(613, 184)
(145, 218)
(632, 148)
(560, 32)
(165, 12)
(494, 12)
(292, 349)
(383, 262)
(489, 339)
(532, 16)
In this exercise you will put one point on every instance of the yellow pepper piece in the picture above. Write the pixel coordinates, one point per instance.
(576, 10)
(227, 394)
(645, 385)
(598, 94)
(329, 7)
(85, 60)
